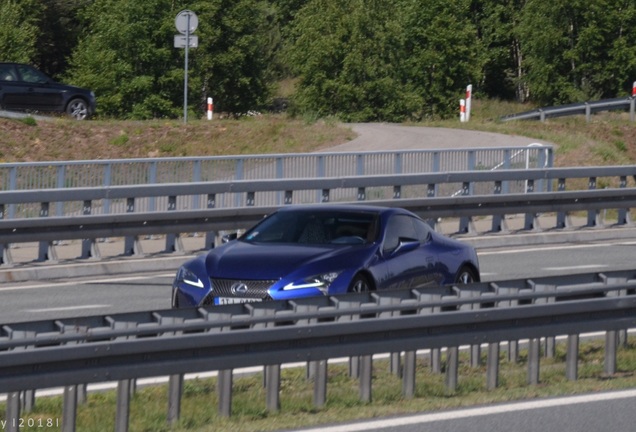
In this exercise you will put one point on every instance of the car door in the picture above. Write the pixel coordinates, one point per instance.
(37, 91)
(406, 248)
(9, 87)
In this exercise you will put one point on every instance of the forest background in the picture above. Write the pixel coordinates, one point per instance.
(357, 60)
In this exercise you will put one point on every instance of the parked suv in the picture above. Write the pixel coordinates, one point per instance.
(24, 88)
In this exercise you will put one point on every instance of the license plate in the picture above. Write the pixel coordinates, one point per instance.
(236, 300)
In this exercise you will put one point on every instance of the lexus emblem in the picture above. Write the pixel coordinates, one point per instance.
(239, 289)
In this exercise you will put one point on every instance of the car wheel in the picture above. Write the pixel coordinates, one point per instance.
(78, 109)
(359, 284)
(466, 275)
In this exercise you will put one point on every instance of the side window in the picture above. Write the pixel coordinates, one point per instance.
(423, 230)
(399, 226)
(31, 75)
(7, 73)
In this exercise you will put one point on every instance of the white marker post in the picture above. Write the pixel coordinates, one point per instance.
(469, 98)
(210, 108)
(462, 110)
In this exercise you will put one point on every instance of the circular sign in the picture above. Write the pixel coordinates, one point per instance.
(183, 18)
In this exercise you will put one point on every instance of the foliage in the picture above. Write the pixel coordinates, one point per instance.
(18, 31)
(360, 60)
(372, 60)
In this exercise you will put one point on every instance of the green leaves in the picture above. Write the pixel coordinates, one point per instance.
(383, 60)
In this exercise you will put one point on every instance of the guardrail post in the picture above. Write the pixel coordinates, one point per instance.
(5, 248)
(362, 194)
(131, 243)
(395, 364)
(632, 109)
(466, 222)
(588, 112)
(492, 371)
(174, 242)
(532, 222)
(499, 220)
(46, 250)
(175, 388)
(366, 378)
(28, 402)
(408, 374)
(320, 383)
(563, 219)
(623, 214)
(69, 414)
(513, 351)
(224, 392)
(13, 412)
(592, 215)
(534, 350)
(123, 406)
(452, 369)
(572, 358)
(210, 237)
(89, 247)
(611, 343)
(272, 387)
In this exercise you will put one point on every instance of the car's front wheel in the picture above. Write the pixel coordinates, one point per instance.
(78, 109)
(466, 275)
(359, 284)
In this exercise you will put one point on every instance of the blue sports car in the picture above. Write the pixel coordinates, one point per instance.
(310, 250)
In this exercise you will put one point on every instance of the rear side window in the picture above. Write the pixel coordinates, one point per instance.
(7, 73)
(399, 227)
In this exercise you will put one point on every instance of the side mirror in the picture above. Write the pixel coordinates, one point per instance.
(229, 237)
(406, 245)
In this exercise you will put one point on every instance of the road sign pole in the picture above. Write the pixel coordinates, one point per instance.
(185, 81)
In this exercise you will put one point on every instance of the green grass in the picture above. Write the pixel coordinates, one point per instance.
(199, 403)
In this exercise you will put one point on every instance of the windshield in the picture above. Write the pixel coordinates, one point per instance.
(315, 227)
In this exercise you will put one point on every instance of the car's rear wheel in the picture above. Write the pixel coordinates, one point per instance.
(78, 109)
(359, 284)
(466, 275)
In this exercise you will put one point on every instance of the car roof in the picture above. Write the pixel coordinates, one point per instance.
(344, 207)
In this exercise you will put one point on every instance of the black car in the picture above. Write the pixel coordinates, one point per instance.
(24, 88)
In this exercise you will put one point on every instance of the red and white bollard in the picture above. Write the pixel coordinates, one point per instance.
(462, 110)
(634, 89)
(469, 99)
(210, 108)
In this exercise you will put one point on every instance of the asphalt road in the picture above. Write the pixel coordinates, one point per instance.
(386, 136)
(600, 412)
(39, 300)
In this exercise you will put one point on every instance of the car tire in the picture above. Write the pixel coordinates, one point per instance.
(78, 109)
(360, 284)
(466, 275)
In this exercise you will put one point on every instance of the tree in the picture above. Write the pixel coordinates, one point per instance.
(367, 60)
(127, 56)
(234, 60)
(18, 30)
(578, 50)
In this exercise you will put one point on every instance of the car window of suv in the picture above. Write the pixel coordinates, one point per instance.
(7, 73)
(31, 75)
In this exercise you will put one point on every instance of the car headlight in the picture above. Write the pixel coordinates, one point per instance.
(186, 276)
(320, 282)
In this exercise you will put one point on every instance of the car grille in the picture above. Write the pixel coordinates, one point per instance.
(255, 288)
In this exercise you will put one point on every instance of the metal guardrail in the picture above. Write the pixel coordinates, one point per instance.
(122, 347)
(582, 108)
(122, 172)
(174, 220)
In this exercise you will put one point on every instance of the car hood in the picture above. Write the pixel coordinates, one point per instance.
(241, 260)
